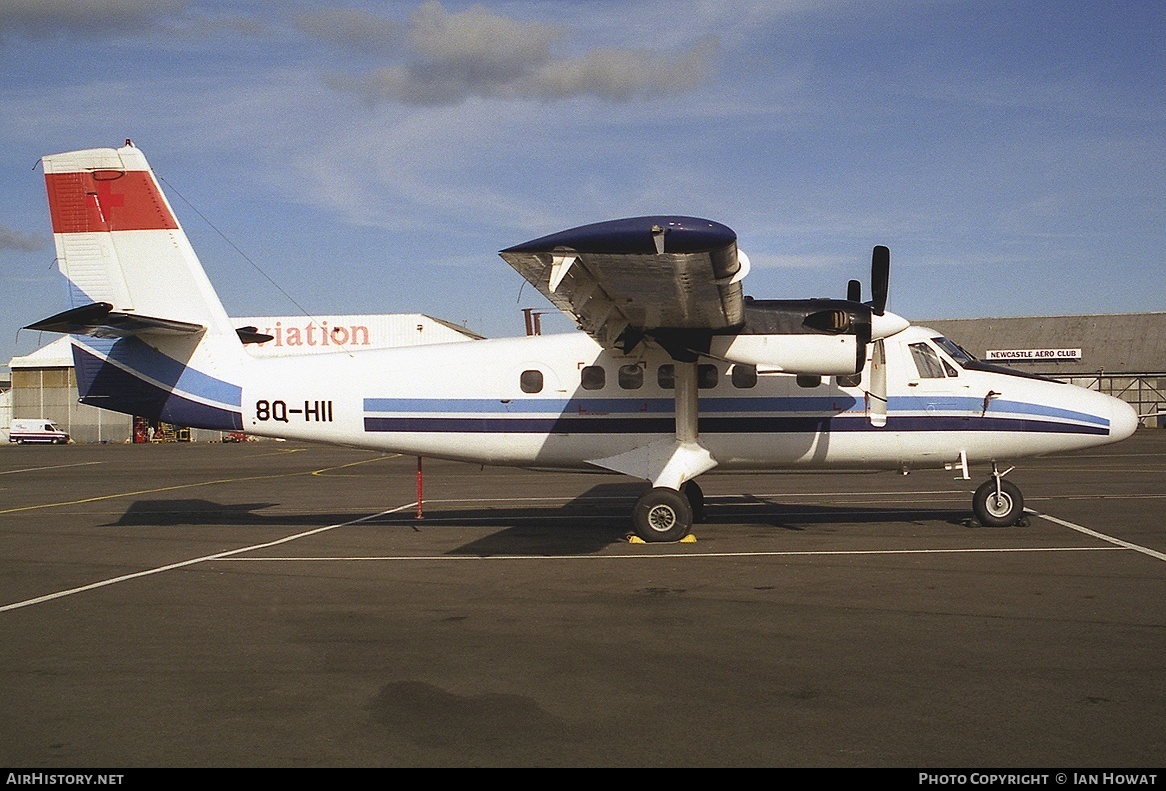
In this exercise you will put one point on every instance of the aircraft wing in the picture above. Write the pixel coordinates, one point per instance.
(638, 275)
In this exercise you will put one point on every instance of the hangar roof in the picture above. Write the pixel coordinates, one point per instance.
(1122, 343)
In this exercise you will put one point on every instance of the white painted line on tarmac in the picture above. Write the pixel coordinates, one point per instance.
(193, 561)
(674, 555)
(52, 467)
(708, 497)
(1119, 542)
(834, 512)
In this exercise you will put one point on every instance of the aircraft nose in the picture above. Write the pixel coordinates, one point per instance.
(1123, 419)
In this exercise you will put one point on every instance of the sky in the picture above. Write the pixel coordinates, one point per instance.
(374, 157)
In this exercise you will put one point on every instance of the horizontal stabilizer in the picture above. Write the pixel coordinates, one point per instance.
(100, 320)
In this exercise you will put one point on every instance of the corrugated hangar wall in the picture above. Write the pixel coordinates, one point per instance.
(51, 393)
(1123, 355)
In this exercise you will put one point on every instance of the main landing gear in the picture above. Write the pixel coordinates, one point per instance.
(664, 514)
(998, 503)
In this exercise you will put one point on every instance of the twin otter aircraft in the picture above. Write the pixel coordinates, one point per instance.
(676, 372)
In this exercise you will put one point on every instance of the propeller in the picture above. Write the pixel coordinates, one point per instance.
(875, 330)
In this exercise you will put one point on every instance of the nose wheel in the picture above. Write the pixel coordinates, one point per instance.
(998, 503)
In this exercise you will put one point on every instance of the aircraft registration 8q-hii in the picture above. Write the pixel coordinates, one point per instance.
(674, 374)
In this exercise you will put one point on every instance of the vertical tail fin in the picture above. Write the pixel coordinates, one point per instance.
(150, 336)
(119, 242)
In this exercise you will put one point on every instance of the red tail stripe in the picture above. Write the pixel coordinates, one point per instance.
(106, 200)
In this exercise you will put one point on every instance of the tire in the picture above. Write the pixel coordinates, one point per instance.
(1004, 512)
(662, 514)
(695, 497)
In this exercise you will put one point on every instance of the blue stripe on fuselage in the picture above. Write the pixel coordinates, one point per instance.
(975, 406)
(628, 415)
(601, 406)
(714, 425)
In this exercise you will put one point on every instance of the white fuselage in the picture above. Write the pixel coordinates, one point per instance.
(478, 401)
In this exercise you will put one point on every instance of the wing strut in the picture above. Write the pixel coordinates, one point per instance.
(669, 463)
(877, 392)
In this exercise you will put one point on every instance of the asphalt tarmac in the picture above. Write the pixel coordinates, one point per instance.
(279, 605)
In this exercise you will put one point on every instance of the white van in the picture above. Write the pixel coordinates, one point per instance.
(35, 430)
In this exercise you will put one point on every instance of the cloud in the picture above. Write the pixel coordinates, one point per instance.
(353, 28)
(450, 57)
(623, 74)
(47, 18)
(15, 240)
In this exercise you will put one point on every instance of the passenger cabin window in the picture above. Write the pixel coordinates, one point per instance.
(631, 377)
(744, 376)
(927, 361)
(850, 381)
(593, 377)
(706, 376)
(531, 381)
(806, 380)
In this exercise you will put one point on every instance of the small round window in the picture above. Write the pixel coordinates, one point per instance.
(744, 376)
(631, 377)
(531, 381)
(593, 377)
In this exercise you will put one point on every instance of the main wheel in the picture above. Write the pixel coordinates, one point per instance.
(998, 510)
(695, 497)
(662, 514)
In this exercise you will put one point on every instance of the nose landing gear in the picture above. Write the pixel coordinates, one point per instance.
(999, 503)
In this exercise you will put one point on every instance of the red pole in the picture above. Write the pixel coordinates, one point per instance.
(420, 496)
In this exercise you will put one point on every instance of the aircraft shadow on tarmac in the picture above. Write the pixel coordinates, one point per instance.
(591, 521)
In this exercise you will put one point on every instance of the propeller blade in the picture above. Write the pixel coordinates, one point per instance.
(880, 276)
(863, 332)
(854, 291)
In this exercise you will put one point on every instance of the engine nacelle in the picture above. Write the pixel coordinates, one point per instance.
(815, 355)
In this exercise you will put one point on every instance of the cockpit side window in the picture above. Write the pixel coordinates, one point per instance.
(957, 352)
(927, 361)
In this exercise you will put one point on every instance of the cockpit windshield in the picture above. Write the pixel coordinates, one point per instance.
(956, 352)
